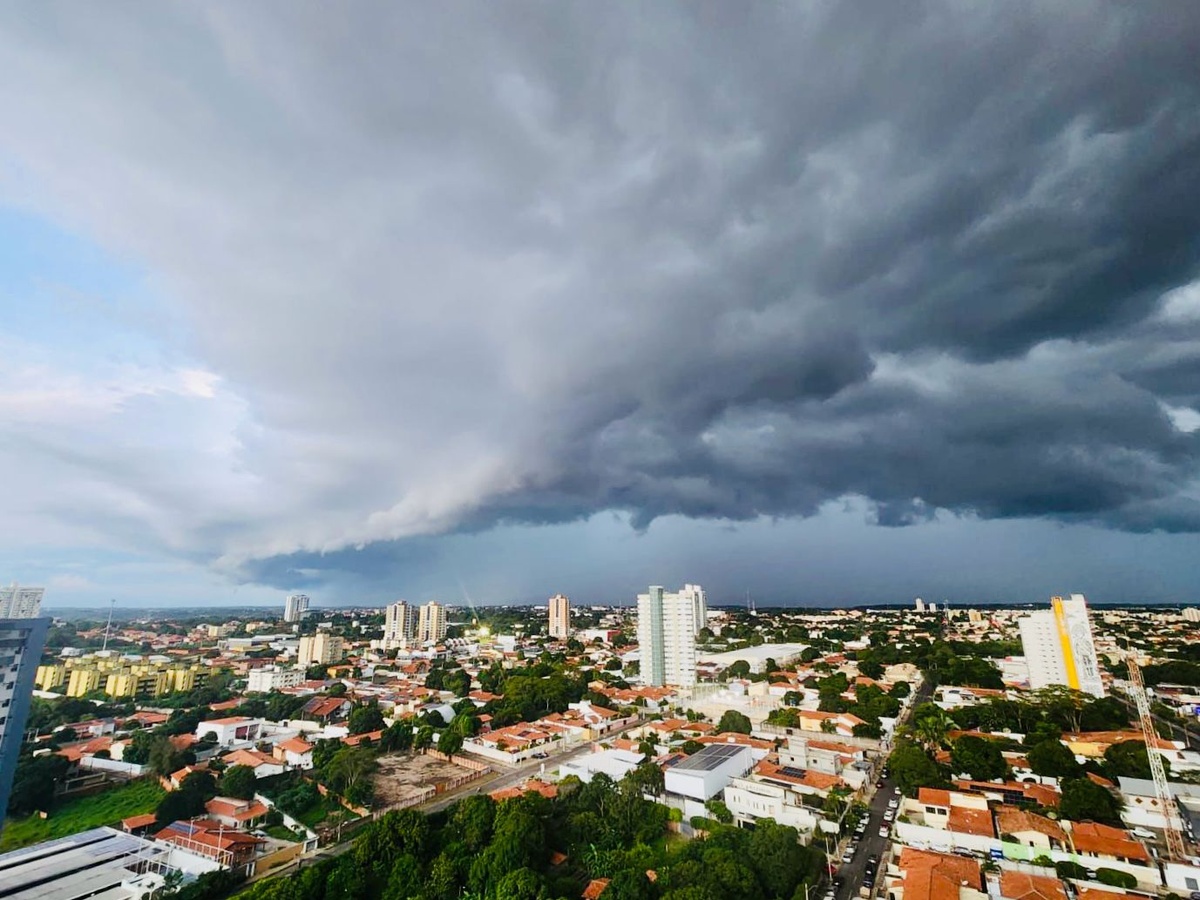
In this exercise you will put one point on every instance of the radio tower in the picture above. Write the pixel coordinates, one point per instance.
(1162, 790)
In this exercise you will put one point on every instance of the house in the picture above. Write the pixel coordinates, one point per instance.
(549, 791)
(924, 875)
(1029, 829)
(229, 731)
(1104, 843)
(595, 888)
(264, 766)
(138, 825)
(236, 813)
(295, 753)
(326, 709)
(232, 849)
(1023, 886)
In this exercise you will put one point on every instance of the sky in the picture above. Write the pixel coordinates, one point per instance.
(481, 302)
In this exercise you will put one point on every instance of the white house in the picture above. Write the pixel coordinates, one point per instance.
(232, 730)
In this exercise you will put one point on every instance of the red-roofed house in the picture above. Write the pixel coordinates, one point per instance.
(264, 766)
(295, 753)
(236, 813)
(205, 837)
(1105, 843)
(1022, 886)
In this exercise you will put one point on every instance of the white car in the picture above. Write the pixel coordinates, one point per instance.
(893, 803)
(884, 831)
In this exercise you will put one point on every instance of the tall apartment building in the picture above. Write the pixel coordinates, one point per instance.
(321, 648)
(295, 607)
(1059, 648)
(667, 637)
(18, 602)
(399, 625)
(699, 602)
(560, 616)
(431, 623)
(22, 639)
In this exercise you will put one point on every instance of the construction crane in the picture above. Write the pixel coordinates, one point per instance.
(1176, 849)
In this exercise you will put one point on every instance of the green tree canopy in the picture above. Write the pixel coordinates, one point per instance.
(238, 781)
(732, 720)
(1084, 800)
(1052, 758)
(979, 758)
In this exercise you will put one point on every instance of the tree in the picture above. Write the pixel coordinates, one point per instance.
(930, 723)
(979, 758)
(1062, 704)
(870, 668)
(733, 721)
(34, 783)
(450, 742)
(647, 778)
(913, 769)
(901, 689)
(163, 758)
(365, 719)
(1083, 800)
(1104, 714)
(739, 668)
(1053, 759)
(238, 781)
(1129, 759)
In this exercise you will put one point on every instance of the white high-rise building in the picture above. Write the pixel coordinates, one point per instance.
(431, 623)
(699, 604)
(18, 602)
(399, 625)
(560, 616)
(295, 607)
(1059, 648)
(667, 637)
(920, 605)
(1191, 614)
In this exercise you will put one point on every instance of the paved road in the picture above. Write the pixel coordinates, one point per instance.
(871, 844)
(1179, 731)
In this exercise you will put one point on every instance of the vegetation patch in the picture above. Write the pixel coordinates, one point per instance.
(73, 816)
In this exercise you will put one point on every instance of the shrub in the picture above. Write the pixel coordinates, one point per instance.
(1116, 878)
(1067, 869)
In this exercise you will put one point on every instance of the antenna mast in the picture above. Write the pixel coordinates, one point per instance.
(1162, 790)
(108, 625)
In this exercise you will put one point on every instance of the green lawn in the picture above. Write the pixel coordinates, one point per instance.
(282, 833)
(107, 808)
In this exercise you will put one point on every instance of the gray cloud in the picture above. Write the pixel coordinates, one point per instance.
(473, 265)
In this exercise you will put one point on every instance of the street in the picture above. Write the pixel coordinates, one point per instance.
(871, 844)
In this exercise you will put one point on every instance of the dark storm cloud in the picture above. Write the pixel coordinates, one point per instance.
(477, 264)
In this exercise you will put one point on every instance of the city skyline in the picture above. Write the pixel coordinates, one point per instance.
(332, 313)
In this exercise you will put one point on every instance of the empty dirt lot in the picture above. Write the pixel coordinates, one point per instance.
(402, 779)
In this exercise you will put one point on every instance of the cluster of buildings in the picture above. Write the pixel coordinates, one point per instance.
(120, 675)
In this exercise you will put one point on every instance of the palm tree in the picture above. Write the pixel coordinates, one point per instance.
(930, 723)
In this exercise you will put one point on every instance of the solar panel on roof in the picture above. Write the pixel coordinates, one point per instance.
(709, 758)
(793, 772)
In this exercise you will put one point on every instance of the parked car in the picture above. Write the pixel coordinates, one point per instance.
(884, 831)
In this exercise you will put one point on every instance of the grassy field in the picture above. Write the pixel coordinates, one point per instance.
(107, 808)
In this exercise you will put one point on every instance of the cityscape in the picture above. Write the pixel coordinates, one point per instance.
(915, 752)
(661, 450)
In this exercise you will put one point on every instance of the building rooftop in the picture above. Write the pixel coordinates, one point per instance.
(711, 757)
(100, 863)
